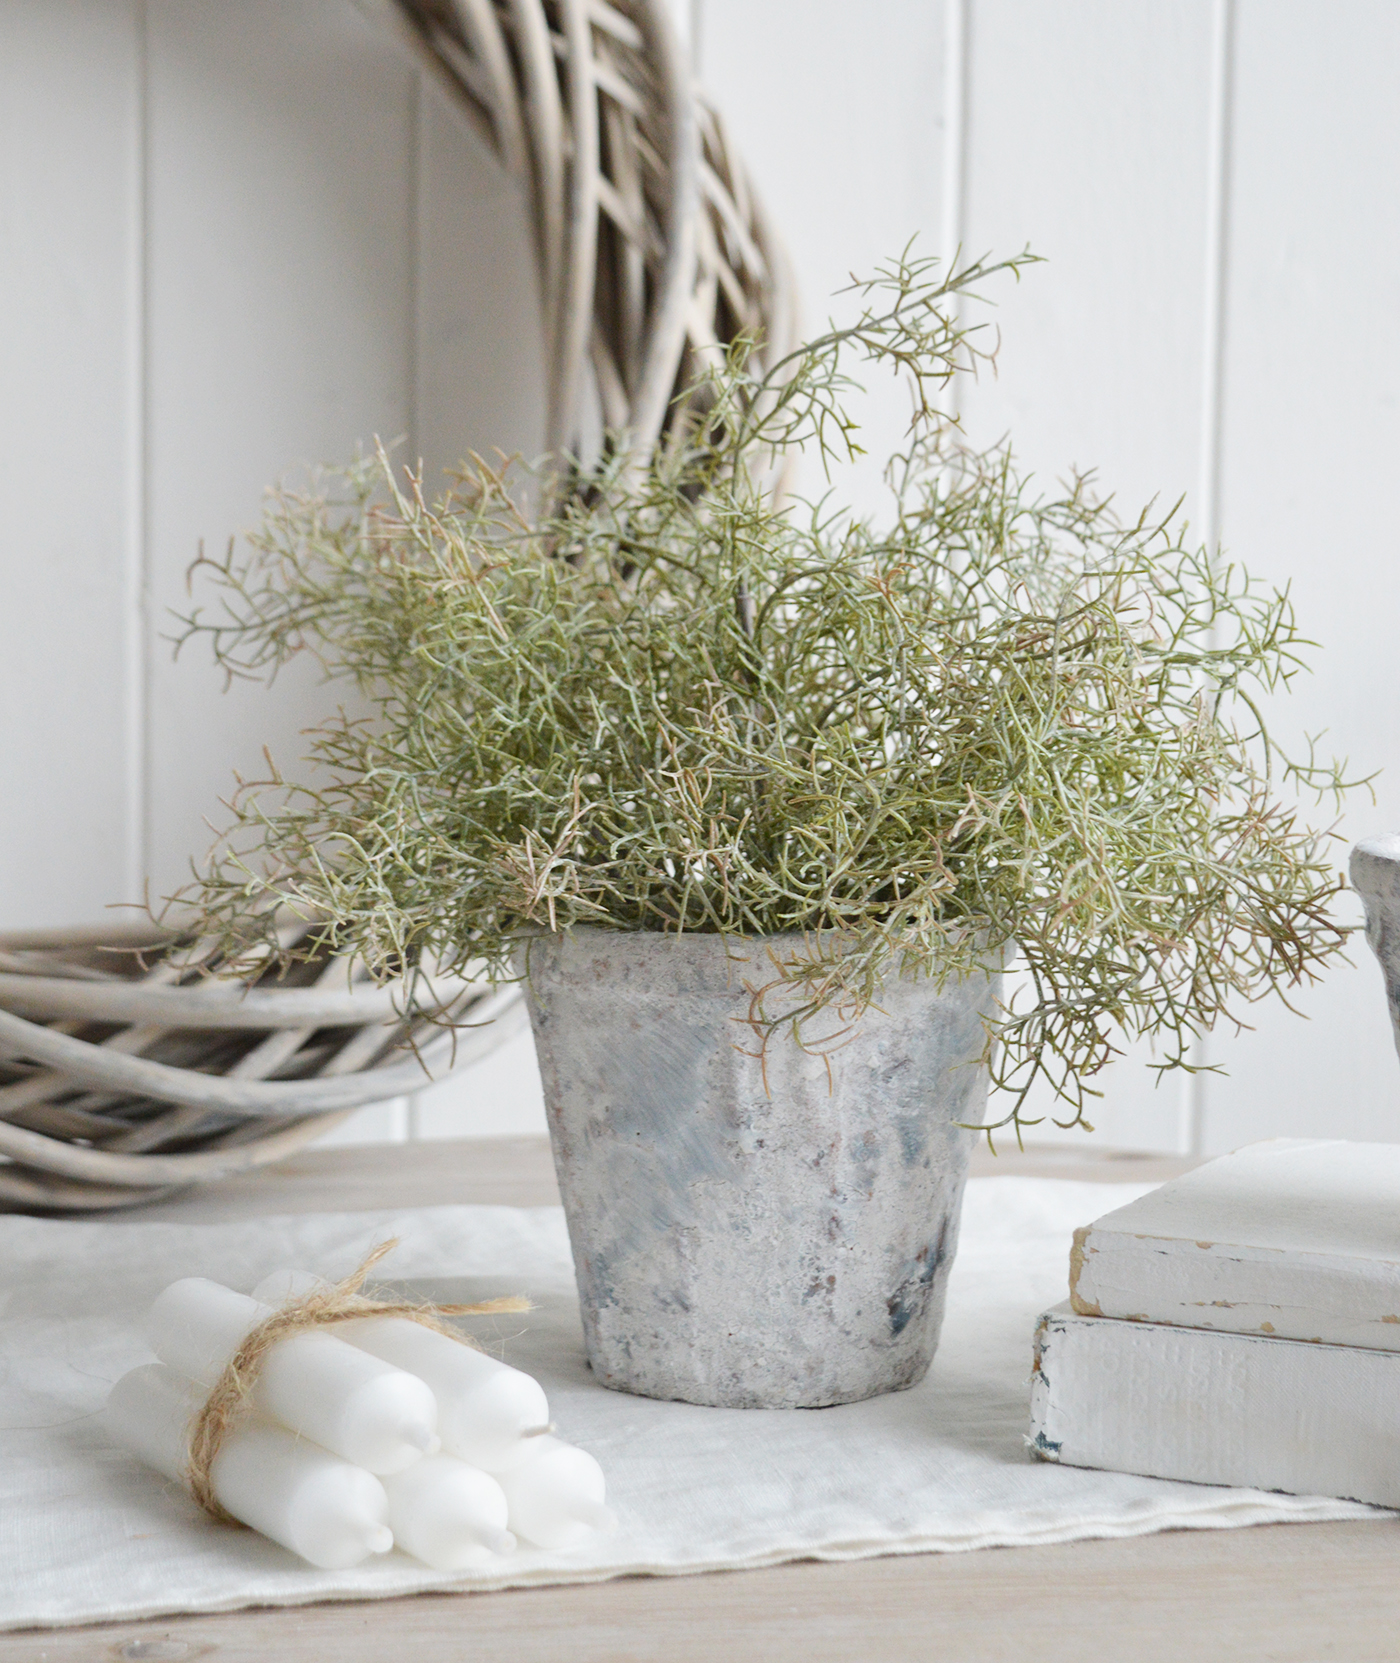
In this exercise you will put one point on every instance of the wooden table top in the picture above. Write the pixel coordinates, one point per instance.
(1286, 1593)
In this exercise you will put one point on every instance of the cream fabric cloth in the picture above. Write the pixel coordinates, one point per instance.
(86, 1534)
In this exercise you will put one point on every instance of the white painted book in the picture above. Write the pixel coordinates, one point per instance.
(1295, 1238)
(1217, 1408)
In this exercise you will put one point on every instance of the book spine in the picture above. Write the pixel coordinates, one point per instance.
(1328, 1299)
(1216, 1408)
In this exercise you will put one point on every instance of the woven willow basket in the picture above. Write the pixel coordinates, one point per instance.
(126, 1072)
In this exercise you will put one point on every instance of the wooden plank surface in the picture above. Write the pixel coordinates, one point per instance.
(518, 1172)
(1287, 1593)
(498, 1172)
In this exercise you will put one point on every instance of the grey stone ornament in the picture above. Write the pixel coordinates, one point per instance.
(1375, 876)
(752, 1231)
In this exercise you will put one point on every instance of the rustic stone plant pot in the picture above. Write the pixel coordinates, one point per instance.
(751, 1243)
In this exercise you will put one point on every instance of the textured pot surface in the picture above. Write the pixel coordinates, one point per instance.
(755, 1248)
(1375, 876)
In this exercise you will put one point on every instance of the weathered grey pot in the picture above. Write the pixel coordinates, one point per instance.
(1375, 875)
(754, 1248)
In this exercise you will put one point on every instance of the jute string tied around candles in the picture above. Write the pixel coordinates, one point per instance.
(321, 1308)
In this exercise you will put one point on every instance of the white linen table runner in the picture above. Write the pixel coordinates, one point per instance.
(87, 1535)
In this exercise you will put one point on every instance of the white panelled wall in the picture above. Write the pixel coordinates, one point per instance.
(238, 236)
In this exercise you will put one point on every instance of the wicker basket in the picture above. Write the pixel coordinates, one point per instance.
(130, 1072)
(650, 242)
(126, 1071)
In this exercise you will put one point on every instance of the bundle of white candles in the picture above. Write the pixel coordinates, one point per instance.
(385, 1432)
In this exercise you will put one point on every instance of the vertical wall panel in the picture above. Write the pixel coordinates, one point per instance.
(282, 145)
(70, 215)
(1311, 438)
(501, 1096)
(837, 116)
(838, 122)
(480, 346)
(1088, 139)
(318, 251)
(480, 388)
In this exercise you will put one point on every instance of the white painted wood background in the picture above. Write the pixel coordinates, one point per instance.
(240, 235)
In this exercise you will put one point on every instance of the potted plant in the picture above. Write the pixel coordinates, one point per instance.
(760, 798)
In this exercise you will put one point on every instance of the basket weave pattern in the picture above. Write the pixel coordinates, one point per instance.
(125, 1071)
(130, 1072)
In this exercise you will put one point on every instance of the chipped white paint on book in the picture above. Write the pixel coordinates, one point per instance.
(1216, 1408)
(1298, 1238)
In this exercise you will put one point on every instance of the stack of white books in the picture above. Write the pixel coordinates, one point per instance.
(1240, 1325)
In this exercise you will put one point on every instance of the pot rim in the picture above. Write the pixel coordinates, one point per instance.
(695, 947)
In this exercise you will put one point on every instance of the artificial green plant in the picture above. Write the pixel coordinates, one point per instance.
(997, 721)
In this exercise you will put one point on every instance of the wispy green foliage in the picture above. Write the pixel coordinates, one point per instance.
(1001, 719)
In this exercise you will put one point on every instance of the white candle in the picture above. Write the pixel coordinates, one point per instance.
(360, 1408)
(489, 1414)
(556, 1497)
(328, 1511)
(448, 1514)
